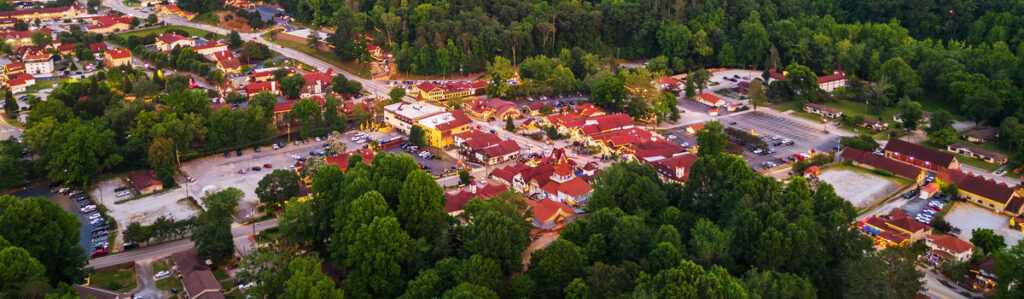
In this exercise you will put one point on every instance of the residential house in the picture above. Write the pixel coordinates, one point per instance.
(227, 63)
(210, 48)
(822, 110)
(919, 155)
(488, 109)
(317, 84)
(66, 49)
(281, 112)
(97, 48)
(43, 14)
(117, 57)
(19, 82)
(440, 128)
(271, 86)
(342, 160)
(668, 83)
(109, 24)
(692, 129)
(987, 193)
(506, 150)
(87, 292)
(710, 100)
(565, 186)
(430, 91)
(949, 247)
(872, 161)
(402, 116)
(925, 118)
(894, 229)
(23, 38)
(479, 139)
(874, 124)
(261, 76)
(38, 62)
(13, 68)
(983, 135)
(145, 181)
(588, 110)
(174, 10)
(196, 278)
(457, 200)
(535, 109)
(548, 213)
(831, 82)
(676, 168)
(168, 41)
(579, 128)
(978, 153)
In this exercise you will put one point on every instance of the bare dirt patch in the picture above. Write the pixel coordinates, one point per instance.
(860, 189)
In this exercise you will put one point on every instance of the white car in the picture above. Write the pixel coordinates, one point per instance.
(162, 274)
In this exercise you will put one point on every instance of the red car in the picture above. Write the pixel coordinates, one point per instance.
(99, 253)
(267, 166)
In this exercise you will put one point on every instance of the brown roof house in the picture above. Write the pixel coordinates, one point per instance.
(920, 156)
(196, 277)
(97, 293)
(145, 181)
(978, 153)
(983, 135)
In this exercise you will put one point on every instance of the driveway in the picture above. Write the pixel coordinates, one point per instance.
(967, 217)
(146, 285)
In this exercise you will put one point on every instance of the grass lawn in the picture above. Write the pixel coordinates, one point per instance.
(169, 282)
(40, 85)
(158, 30)
(163, 265)
(932, 104)
(854, 108)
(121, 280)
(326, 56)
(226, 282)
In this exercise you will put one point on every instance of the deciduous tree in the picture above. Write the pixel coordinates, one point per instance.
(277, 187)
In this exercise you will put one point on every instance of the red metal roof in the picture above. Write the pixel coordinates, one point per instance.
(119, 53)
(950, 243)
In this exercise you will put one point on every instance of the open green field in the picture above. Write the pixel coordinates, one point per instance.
(120, 280)
(326, 56)
(159, 30)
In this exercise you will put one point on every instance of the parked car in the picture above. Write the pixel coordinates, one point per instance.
(227, 154)
(256, 168)
(161, 274)
(99, 253)
(275, 146)
(130, 246)
(238, 152)
(268, 165)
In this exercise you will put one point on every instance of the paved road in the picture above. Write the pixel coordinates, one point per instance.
(7, 130)
(240, 232)
(146, 284)
(370, 85)
(935, 289)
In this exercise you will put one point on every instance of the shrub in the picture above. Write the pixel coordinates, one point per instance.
(882, 172)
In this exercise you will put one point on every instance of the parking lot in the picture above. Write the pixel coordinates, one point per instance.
(768, 124)
(968, 217)
(860, 189)
(68, 205)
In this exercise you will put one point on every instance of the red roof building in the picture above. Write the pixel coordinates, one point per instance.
(894, 229)
(710, 100)
(342, 160)
(109, 23)
(227, 63)
(919, 155)
(145, 181)
(873, 161)
(548, 213)
(317, 83)
(271, 87)
(98, 47)
(457, 200)
(950, 247)
(987, 193)
(488, 109)
(676, 168)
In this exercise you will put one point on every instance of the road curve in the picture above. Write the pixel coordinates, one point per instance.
(370, 85)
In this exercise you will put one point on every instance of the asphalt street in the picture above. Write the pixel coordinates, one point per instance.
(372, 85)
(238, 231)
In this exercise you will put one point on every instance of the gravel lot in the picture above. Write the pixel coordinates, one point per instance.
(968, 217)
(860, 189)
